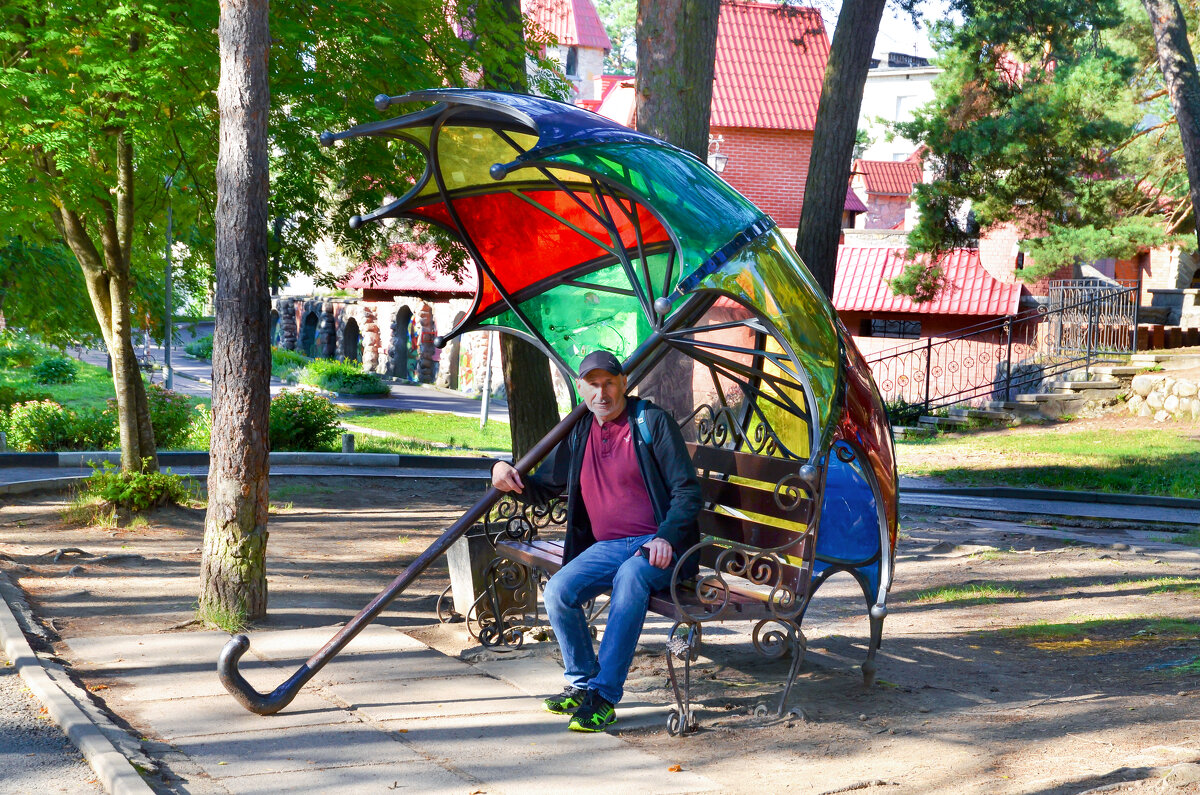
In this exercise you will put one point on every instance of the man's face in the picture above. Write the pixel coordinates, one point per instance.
(603, 393)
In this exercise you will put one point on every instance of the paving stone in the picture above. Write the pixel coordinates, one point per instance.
(149, 650)
(506, 747)
(427, 698)
(390, 665)
(184, 680)
(307, 748)
(205, 715)
(301, 644)
(401, 777)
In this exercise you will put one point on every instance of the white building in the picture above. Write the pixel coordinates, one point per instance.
(897, 86)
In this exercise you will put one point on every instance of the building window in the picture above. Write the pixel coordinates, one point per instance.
(901, 329)
(572, 61)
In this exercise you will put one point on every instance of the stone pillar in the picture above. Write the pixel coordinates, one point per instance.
(287, 324)
(369, 328)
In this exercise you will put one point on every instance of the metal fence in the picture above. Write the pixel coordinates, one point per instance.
(1083, 322)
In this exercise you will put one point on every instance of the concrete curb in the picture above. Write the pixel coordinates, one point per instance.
(166, 459)
(1056, 495)
(115, 772)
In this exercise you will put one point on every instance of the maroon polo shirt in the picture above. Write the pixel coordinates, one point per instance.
(614, 493)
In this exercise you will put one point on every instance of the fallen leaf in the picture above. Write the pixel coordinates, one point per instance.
(674, 769)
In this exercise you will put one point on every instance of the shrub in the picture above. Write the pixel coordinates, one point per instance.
(345, 377)
(199, 432)
(39, 426)
(286, 364)
(19, 350)
(11, 396)
(136, 491)
(303, 420)
(201, 347)
(45, 426)
(55, 370)
(170, 415)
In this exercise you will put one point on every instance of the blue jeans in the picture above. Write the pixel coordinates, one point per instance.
(611, 564)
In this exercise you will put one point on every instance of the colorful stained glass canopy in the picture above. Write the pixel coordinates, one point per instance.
(587, 234)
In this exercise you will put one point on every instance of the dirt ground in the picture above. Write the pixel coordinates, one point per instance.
(971, 697)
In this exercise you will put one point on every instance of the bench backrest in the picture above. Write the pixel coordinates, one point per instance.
(760, 501)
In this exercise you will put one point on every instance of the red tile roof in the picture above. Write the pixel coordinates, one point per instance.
(572, 22)
(769, 66)
(889, 177)
(410, 271)
(861, 284)
(608, 81)
(853, 203)
(619, 103)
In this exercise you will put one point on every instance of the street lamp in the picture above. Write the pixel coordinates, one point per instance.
(168, 371)
(717, 160)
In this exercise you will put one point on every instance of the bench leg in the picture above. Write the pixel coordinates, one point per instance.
(500, 611)
(682, 720)
(877, 614)
(773, 644)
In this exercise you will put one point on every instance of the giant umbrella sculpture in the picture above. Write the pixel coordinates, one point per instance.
(586, 235)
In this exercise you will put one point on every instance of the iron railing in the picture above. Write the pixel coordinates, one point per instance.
(1083, 322)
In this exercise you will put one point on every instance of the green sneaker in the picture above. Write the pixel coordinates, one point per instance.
(565, 702)
(594, 714)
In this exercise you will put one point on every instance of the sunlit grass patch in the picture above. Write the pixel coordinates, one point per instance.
(1103, 635)
(982, 593)
(437, 429)
(992, 554)
(289, 491)
(1162, 584)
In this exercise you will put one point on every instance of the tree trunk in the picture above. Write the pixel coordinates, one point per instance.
(677, 48)
(233, 582)
(833, 138)
(107, 276)
(532, 407)
(1178, 66)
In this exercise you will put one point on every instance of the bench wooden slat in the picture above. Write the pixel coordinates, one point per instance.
(757, 500)
(745, 465)
(745, 531)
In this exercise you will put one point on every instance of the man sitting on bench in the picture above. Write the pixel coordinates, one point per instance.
(632, 502)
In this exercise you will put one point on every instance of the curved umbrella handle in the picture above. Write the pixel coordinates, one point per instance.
(280, 697)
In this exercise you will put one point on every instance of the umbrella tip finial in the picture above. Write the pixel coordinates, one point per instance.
(439, 342)
(355, 221)
(326, 138)
(662, 305)
(498, 171)
(382, 101)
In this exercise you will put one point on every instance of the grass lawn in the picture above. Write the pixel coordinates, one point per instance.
(92, 388)
(409, 427)
(1164, 462)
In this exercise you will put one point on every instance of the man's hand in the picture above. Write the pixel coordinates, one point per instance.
(660, 552)
(505, 477)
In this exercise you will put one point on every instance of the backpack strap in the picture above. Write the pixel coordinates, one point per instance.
(639, 419)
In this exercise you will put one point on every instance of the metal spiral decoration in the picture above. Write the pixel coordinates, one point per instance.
(775, 642)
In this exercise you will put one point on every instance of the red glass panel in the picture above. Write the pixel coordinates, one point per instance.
(524, 245)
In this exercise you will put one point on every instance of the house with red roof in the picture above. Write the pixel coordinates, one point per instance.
(581, 42)
(770, 63)
(885, 187)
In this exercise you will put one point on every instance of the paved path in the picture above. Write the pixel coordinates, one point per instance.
(194, 377)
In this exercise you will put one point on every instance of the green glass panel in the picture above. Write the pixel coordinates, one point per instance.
(769, 276)
(575, 319)
(702, 211)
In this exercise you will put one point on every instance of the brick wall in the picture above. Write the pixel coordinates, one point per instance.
(768, 167)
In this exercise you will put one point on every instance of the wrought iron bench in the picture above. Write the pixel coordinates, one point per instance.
(758, 538)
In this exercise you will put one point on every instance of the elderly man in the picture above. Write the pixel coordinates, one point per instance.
(632, 501)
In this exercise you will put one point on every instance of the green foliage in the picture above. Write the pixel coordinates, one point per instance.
(136, 491)
(10, 396)
(437, 430)
(199, 432)
(620, 22)
(1029, 126)
(344, 377)
(41, 292)
(19, 350)
(55, 370)
(46, 426)
(303, 420)
(226, 619)
(170, 416)
(201, 347)
(982, 593)
(285, 364)
(919, 281)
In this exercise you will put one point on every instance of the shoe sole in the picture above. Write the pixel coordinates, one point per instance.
(579, 727)
(566, 711)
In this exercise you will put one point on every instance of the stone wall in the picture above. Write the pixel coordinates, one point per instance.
(1164, 397)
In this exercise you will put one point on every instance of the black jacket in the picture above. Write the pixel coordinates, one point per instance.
(666, 469)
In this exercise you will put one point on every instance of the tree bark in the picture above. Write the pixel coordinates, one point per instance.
(1178, 65)
(233, 581)
(677, 48)
(532, 407)
(833, 138)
